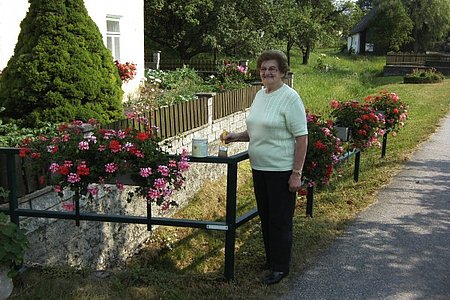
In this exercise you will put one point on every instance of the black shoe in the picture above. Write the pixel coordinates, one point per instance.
(274, 277)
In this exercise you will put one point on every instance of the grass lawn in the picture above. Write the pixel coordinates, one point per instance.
(183, 263)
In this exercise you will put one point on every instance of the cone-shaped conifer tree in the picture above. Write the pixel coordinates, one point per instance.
(60, 70)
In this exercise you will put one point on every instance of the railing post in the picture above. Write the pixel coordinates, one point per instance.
(309, 201)
(157, 59)
(77, 208)
(290, 79)
(384, 145)
(357, 162)
(12, 186)
(210, 97)
(149, 216)
(230, 236)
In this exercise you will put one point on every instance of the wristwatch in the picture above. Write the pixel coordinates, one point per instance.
(298, 172)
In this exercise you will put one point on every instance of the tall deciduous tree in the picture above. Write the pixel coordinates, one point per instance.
(391, 27)
(183, 26)
(60, 69)
(198, 26)
(431, 20)
(318, 24)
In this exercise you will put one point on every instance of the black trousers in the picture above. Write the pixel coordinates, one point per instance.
(276, 206)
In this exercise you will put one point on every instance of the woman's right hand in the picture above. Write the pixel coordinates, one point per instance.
(228, 137)
(234, 137)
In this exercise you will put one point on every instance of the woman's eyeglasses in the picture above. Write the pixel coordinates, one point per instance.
(270, 70)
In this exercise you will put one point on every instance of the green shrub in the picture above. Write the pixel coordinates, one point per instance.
(424, 76)
(60, 69)
(13, 244)
(168, 87)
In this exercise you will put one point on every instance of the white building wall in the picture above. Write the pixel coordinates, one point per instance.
(12, 13)
(353, 43)
(131, 14)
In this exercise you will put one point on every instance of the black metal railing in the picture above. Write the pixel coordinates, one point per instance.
(343, 158)
(231, 223)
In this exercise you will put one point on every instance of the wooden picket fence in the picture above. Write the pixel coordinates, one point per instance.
(225, 104)
(400, 58)
(171, 120)
(416, 59)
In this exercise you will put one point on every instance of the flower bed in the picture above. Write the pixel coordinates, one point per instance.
(127, 71)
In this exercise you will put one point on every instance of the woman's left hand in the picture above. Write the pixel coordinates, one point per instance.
(295, 182)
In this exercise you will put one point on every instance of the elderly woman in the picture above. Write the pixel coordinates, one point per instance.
(278, 136)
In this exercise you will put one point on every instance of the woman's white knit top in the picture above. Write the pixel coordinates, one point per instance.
(275, 119)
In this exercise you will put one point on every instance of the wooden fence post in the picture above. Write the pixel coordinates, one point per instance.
(210, 104)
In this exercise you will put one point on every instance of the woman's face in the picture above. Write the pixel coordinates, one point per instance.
(270, 73)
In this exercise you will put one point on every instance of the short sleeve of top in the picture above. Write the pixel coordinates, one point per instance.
(275, 119)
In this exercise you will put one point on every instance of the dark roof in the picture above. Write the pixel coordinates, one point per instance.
(362, 25)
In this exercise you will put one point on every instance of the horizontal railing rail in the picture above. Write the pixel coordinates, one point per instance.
(229, 226)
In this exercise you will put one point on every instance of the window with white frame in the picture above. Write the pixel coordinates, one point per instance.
(113, 36)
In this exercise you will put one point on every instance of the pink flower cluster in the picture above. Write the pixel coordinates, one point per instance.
(392, 109)
(324, 149)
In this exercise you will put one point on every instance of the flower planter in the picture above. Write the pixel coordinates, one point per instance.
(6, 283)
(343, 133)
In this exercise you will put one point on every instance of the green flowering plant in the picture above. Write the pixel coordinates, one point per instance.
(424, 76)
(394, 110)
(230, 76)
(84, 156)
(365, 124)
(324, 150)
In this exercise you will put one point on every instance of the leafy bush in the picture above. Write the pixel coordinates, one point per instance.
(60, 69)
(13, 243)
(168, 87)
(424, 76)
(12, 135)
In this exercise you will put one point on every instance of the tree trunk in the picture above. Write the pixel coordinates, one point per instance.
(288, 51)
(306, 52)
(416, 40)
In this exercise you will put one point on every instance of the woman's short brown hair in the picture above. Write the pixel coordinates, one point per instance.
(277, 55)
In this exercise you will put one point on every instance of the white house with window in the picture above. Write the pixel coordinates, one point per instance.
(120, 22)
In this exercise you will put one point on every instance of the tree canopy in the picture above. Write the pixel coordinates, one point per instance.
(409, 25)
(241, 27)
(391, 27)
